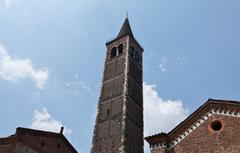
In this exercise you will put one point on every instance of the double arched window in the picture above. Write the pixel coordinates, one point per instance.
(115, 51)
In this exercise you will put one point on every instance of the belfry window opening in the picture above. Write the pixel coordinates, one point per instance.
(113, 52)
(120, 49)
(116, 51)
(134, 54)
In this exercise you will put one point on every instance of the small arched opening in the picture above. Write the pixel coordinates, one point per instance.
(113, 52)
(120, 49)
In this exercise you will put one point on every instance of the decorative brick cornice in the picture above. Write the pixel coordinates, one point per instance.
(158, 146)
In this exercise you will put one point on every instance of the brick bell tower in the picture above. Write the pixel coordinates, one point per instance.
(119, 120)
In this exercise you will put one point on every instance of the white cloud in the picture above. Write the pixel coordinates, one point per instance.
(163, 64)
(16, 69)
(42, 120)
(161, 115)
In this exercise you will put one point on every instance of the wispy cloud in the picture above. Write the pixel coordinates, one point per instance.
(15, 69)
(77, 87)
(180, 62)
(8, 3)
(161, 115)
(163, 64)
(42, 120)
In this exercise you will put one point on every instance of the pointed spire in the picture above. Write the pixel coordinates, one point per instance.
(126, 29)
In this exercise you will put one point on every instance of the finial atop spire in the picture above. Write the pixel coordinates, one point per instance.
(127, 14)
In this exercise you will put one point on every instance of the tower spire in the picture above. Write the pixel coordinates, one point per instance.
(126, 28)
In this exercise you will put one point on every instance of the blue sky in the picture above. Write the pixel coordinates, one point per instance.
(52, 54)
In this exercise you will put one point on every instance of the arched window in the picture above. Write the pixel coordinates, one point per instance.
(113, 52)
(136, 56)
(120, 49)
(132, 50)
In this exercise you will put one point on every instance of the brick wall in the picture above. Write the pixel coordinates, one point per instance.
(206, 140)
(44, 144)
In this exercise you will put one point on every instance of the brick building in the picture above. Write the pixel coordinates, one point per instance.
(212, 128)
(35, 141)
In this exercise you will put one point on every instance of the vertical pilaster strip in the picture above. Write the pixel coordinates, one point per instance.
(125, 91)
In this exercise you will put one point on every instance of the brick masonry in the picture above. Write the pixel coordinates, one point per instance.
(35, 141)
(205, 139)
(119, 120)
(213, 128)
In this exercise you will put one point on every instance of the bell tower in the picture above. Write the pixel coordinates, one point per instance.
(119, 119)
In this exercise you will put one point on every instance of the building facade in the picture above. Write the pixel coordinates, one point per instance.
(35, 141)
(119, 119)
(213, 128)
